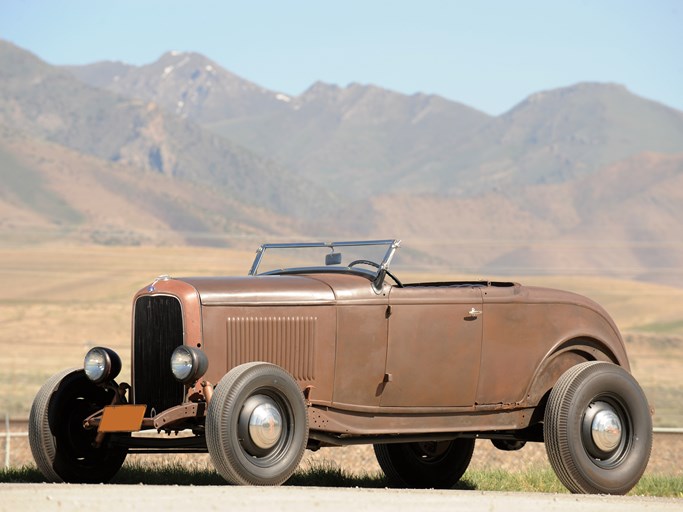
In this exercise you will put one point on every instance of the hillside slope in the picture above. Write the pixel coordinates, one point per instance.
(50, 191)
(623, 220)
(46, 102)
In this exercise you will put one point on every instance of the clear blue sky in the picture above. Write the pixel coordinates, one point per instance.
(489, 54)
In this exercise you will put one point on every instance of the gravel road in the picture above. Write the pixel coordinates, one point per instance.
(115, 498)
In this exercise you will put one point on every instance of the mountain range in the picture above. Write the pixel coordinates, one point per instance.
(588, 176)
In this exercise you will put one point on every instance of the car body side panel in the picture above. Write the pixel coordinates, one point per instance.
(300, 339)
(361, 354)
(361, 339)
(434, 347)
(525, 326)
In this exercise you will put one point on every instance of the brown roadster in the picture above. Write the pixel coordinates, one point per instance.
(321, 345)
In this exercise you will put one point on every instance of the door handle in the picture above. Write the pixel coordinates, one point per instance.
(474, 312)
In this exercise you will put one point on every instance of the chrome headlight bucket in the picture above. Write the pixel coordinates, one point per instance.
(101, 364)
(188, 364)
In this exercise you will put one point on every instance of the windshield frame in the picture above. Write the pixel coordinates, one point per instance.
(376, 276)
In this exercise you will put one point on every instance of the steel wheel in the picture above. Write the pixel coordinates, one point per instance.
(62, 448)
(438, 464)
(598, 429)
(257, 425)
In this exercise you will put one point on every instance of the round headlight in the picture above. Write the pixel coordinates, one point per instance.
(101, 364)
(188, 364)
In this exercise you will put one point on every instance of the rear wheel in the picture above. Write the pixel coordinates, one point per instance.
(598, 429)
(62, 448)
(257, 425)
(437, 464)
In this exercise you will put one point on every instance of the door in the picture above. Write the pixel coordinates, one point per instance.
(434, 346)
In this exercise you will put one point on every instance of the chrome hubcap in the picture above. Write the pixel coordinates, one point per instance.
(265, 425)
(261, 423)
(603, 432)
(606, 430)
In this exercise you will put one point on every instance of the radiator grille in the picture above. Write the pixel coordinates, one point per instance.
(158, 330)
(288, 342)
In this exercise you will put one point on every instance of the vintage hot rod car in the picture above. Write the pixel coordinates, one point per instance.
(321, 345)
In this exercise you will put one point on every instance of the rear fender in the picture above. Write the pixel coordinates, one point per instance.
(564, 357)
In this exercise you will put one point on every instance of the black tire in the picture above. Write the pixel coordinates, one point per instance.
(60, 445)
(240, 456)
(433, 464)
(598, 429)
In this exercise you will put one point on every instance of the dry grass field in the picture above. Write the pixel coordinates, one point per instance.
(58, 300)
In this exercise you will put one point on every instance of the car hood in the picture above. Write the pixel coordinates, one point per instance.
(216, 291)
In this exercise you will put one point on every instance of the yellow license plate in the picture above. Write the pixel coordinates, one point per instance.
(122, 418)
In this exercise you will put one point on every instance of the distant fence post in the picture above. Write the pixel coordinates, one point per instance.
(7, 441)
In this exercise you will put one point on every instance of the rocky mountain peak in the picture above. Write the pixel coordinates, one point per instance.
(187, 84)
(568, 97)
(185, 64)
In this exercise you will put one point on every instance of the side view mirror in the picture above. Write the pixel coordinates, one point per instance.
(334, 258)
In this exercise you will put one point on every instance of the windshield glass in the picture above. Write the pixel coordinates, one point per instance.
(367, 256)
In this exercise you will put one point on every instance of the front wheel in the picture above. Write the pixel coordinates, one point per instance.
(256, 425)
(62, 448)
(437, 464)
(598, 429)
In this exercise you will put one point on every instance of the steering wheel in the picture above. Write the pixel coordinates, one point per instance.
(376, 265)
(363, 262)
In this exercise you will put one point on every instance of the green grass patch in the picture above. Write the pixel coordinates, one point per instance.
(167, 474)
(327, 474)
(330, 475)
(659, 485)
(21, 475)
(541, 480)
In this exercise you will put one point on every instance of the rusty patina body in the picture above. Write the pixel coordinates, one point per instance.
(405, 361)
(296, 356)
